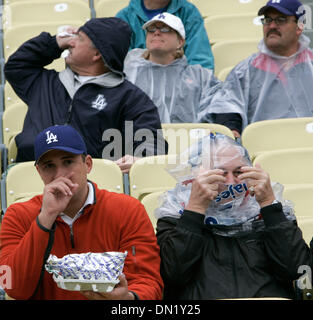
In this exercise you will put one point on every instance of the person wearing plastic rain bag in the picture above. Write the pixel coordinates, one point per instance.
(224, 231)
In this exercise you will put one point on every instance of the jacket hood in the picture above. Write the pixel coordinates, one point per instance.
(111, 36)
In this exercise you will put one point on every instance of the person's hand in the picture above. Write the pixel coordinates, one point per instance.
(259, 184)
(56, 197)
(204, 189)
(120, 292)
(126, 162)
(65, 37)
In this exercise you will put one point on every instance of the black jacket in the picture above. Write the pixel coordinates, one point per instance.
(52, 100)
(197, 264)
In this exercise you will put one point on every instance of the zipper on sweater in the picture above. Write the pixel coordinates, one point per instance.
(134, 258)
(72, 236)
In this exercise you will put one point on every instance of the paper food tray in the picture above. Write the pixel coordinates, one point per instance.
(84, 285)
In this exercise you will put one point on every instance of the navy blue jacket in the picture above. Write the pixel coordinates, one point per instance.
(49, 102)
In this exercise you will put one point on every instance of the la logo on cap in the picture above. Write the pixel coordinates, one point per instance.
(51, 137)
(161, 16)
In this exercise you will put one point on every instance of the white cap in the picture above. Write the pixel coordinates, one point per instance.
(170, 20)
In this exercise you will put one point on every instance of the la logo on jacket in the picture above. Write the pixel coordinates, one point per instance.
(100, 102)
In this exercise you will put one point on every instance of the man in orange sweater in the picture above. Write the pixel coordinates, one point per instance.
(74, 216)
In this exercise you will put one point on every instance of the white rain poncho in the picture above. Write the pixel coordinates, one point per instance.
(267, 86)
(180, 91)
(234, 211)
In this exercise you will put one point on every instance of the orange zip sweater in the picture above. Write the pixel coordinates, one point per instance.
(115, 222)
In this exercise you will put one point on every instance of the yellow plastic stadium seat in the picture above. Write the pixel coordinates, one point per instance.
(222, 75)
(107, 175)
(10, 97)
(268, 135)
(182, 135)
(22, 182)
(12, 121)
(32, 12)
(306, 226)
(12, 150)
(109, 8)
(288, 166)
(12, 1)
(233, 26)
(302, 197)
(151, 202)
(149, 175)
(215, 7)
(231, 52)
(14, 36)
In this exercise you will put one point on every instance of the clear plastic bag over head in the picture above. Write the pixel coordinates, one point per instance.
(234, 206)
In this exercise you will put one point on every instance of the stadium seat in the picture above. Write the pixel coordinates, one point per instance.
(216, 7)
(151, 202)
(107, 175)
(222, 75)
(13, 1)
(34, 11)
(268, 135)
(14, 36)
(231, 52)
(302, 197)
(12, 151)
(233, 26)
(12, 121)
(23, 182)
(306, 226)
(10, 97)
(181, 135)
(109, 8)
(288, 166)
(149, 175)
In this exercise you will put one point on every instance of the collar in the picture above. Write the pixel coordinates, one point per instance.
(90, 200)
(107, 80)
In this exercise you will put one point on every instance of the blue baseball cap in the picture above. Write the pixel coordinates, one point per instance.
(59, 137)
(287, 7)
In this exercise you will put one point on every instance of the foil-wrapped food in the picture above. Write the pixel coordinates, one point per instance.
(97, 272)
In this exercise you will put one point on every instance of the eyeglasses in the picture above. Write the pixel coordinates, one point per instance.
(164, 29)
(279, 21)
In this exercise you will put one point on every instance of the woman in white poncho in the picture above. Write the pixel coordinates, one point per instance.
(181, 92)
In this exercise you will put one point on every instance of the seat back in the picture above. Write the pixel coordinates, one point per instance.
(35, 11)
(109, 8)
(306, 226)
(268, 135)
(222, 75)
(233, 26)
(180, 136)
(288, 166)
(149, 175)
(215, 7)
(12, 121)
(107, 175)
(16, 35)
(302, 197)
(240, 49)
(22, 182)
(151, 202)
